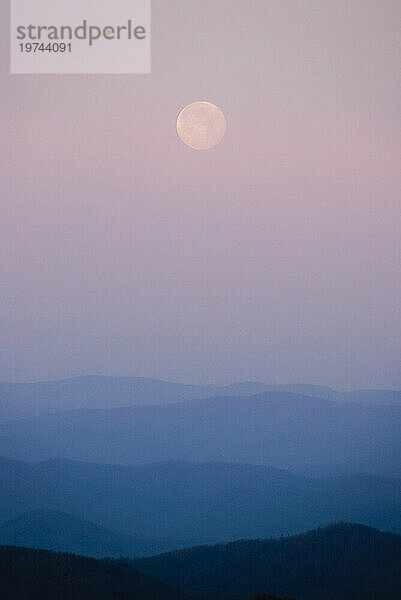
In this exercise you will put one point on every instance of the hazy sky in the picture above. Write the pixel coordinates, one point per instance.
(275, 256)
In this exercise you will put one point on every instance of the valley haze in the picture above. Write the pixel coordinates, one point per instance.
(133, 421)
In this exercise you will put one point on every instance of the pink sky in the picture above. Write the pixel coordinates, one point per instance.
(276, 256)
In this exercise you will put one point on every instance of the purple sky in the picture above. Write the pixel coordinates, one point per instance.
(275, 256)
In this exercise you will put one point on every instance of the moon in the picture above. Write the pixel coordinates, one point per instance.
(201, 125)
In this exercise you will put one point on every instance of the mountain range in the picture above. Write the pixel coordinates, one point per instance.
(273, 428)
(177, 504)
(24, 400)
(339, 562)
(94, 466)
(52, 530)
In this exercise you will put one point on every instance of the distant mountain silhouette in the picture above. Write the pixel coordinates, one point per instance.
(340, 562)
(389, 397)
(27, 574)
(387, 519)
(52, 530)
(184, 504)
(280, 428)
(323, 471)
(24, 400)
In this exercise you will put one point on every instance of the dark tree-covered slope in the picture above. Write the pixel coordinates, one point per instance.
(27, 574)
(340, 562)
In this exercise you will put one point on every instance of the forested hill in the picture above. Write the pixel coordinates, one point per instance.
(27, 574)
(340, 562)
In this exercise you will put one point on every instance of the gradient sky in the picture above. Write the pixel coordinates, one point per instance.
(275, 256)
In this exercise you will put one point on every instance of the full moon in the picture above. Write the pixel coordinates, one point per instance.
(201, 125)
